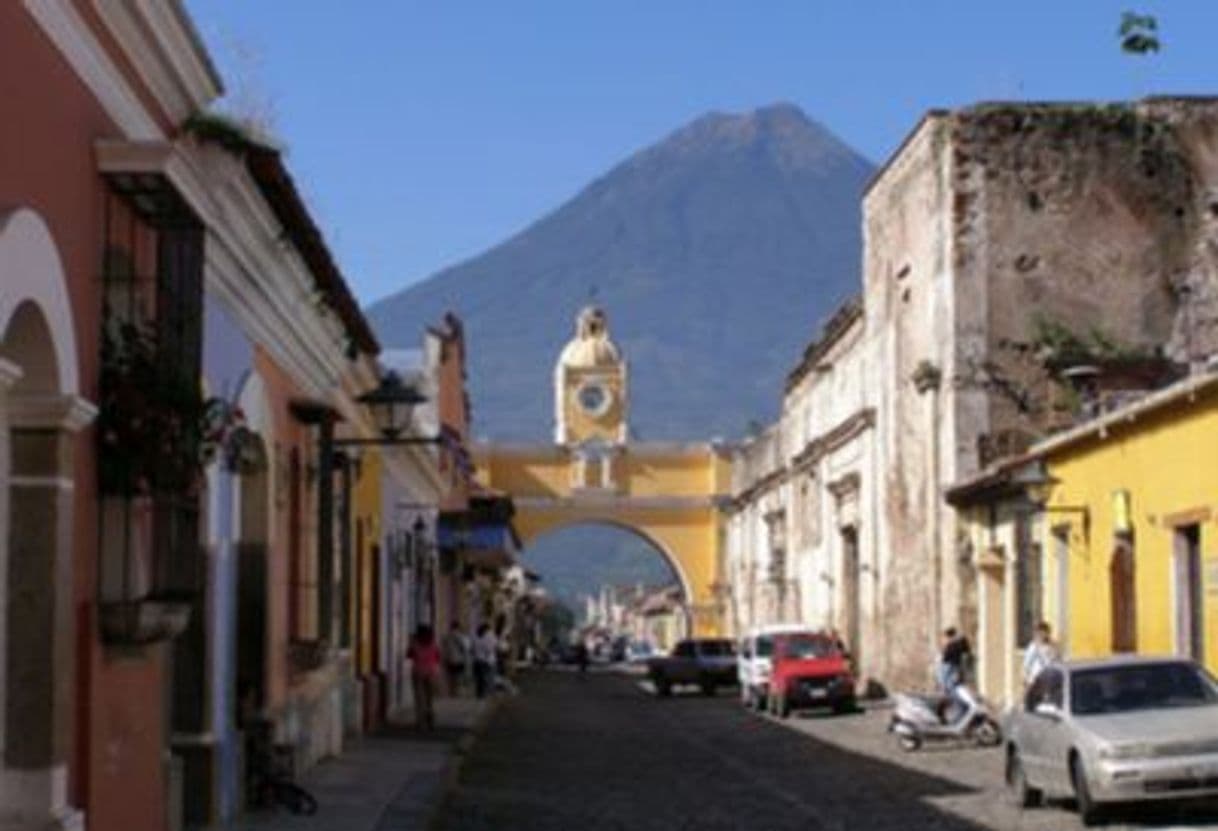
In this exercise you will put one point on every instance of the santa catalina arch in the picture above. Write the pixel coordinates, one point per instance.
(669, 493)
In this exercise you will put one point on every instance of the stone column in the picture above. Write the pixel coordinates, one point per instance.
(40, 635)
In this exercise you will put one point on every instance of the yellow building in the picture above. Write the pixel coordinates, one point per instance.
(1107, 532)
(364, 607)
(670, 494)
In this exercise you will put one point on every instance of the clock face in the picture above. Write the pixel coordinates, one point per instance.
(594, 399)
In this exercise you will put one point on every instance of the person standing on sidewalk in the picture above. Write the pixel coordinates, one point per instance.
(424, 658)
(456, 657)
(486, 648)
(1039, 653)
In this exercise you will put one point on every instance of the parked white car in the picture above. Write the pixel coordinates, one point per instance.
(756, 661)
(1115, 730)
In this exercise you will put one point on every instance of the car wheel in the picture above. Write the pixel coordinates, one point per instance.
(760, 701)
(908, 743)
(1089, 812)
(663, 688)
(1022, 794)
(708, 688)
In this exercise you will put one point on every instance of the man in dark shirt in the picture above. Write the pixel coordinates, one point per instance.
(956, 659)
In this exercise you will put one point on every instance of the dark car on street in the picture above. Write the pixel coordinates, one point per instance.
(708, 663)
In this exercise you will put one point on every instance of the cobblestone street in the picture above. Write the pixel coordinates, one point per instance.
(599, 752)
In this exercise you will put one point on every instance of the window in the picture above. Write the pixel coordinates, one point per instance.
(1122, 589)
(1142, 686)
(152, 280)
(802, 647)
(685, 649)
(1028, 582)
(1190, 608)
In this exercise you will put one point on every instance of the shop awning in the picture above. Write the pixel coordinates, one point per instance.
(482, 535)
(476, 536)
(485, 545)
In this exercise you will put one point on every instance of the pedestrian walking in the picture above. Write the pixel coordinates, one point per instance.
(1039, 653)
(456, 657)
(485, 650)
(424, 658)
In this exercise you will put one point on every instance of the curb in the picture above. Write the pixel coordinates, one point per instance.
(452, 768)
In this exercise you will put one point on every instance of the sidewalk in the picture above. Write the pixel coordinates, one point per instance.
(392, 781)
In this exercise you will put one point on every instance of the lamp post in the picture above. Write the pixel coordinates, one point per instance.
(392, 402)
(1038, 487)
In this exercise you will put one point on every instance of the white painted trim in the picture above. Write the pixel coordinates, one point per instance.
(168, 57)
(70, 413)
(10, 374)
(31, 270)
(63, 24)
(62, 483)
(37, 799)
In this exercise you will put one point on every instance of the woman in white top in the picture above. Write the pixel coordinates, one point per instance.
(1040, 652)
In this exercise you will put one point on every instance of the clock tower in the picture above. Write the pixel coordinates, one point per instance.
(590, 405)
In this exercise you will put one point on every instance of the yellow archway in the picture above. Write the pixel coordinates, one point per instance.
(669, 494)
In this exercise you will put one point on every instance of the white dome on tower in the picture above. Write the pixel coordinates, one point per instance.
(591, 346)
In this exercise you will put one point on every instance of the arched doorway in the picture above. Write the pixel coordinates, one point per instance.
(40, 414)
(617, 580)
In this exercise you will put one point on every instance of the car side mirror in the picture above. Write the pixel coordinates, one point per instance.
(1048, 710)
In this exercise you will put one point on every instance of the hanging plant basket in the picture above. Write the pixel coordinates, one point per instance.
(153, 422)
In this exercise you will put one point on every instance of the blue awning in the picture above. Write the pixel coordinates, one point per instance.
(475, 536)
(488, 545)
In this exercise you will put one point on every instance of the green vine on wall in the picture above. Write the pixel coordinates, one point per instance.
(155, 429)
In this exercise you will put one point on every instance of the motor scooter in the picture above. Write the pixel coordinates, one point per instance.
(962, 715)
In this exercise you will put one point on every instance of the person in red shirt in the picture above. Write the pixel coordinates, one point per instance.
(424, 657)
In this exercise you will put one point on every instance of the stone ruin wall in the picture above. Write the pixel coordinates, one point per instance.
(1096, 219)
(1090, 217)
(905, 265)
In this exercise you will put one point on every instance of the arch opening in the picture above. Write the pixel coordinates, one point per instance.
(621, 585)
(40, 414)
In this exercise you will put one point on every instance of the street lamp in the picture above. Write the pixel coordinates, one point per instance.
(392, 402)
(1038, 486)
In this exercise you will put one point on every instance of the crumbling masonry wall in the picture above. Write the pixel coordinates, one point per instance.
(988, 224)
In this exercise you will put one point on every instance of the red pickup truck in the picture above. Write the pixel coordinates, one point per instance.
(809, 671)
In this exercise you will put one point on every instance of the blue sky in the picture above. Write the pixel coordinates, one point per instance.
(423, 133)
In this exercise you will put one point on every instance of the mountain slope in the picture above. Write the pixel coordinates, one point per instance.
(715, 252)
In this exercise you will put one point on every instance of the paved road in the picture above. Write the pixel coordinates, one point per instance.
(599, 753)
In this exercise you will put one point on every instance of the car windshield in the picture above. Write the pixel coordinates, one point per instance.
(1124, 689)
(765, 647)
(809, 646)
(717, 649)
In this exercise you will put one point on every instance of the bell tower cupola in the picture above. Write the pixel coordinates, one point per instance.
(590, 403)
